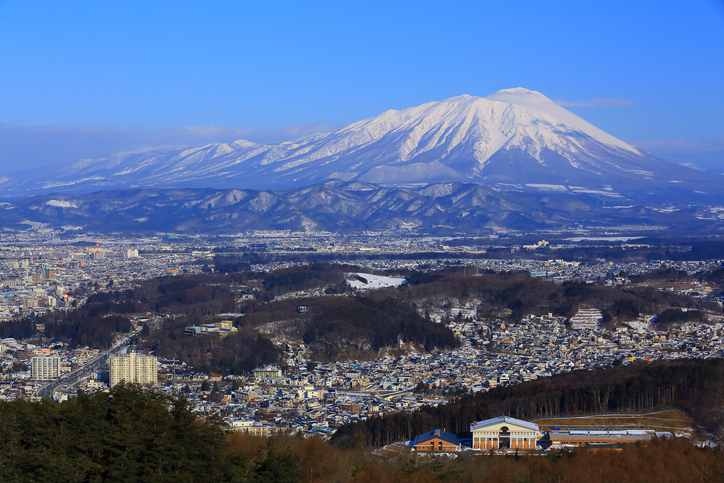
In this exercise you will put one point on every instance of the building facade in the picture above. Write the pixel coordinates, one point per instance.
(254, 428)
(272, 372)
(437, 440)
(45, 368)
(603, 438)
(504, 432)
(134, 368)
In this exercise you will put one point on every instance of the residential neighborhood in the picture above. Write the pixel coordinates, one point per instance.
(301, 395)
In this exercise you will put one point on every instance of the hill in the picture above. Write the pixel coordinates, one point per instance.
(130, 434)
(353, 207)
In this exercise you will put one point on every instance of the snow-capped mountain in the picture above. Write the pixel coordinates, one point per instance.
(514, 138)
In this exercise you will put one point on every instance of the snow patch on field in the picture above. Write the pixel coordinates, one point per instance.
(638, 325)
(553, 187)
(373, 281)
(61, 203)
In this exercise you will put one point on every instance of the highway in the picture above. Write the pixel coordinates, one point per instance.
(72, 378)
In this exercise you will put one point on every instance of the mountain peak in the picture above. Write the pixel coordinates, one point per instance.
(520, 96)
(243, 143)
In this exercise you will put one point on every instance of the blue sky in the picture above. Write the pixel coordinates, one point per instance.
(86, 79)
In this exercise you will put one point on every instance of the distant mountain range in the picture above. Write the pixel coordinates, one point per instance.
(513, 139)
(337, 206)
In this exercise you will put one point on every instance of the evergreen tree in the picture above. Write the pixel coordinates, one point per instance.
(277, 467)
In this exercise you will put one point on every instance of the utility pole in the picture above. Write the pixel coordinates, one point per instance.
(174, 374)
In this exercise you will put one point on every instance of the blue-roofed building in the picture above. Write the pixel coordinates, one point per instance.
(437, 440)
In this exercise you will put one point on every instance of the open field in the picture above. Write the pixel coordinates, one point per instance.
(669, 420)
(393, 450)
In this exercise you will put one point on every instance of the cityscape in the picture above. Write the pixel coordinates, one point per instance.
(298, 394)
(339, 242)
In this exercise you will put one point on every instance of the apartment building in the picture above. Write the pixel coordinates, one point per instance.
(135, 368)
(45, 368)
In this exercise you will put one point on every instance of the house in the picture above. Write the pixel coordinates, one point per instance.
(349, 407)
(504, 432)
(437, 440)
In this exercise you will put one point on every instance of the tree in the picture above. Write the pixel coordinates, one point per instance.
(277, 467)
(128, 434)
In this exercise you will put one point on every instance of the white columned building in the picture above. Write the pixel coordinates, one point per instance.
(504, 432)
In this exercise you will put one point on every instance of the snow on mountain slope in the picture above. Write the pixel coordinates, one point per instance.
(512, 137)
(441, 209)
(548, 110)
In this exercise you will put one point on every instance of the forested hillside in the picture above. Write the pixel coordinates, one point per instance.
(131, 434)
(339, 324)
(336, 327)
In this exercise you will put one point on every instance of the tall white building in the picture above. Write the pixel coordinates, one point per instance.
(45, 368)
(134, 368)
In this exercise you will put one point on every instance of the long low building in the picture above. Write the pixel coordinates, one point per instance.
(603, 438)
(254, 428)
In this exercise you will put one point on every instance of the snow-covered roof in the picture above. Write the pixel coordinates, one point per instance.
(504, 420)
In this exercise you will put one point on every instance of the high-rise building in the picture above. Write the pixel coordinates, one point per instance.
(45, 368)
(134, 368)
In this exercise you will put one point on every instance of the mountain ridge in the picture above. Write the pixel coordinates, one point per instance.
(346, 207)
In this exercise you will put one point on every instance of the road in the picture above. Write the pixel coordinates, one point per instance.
(87, 368)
